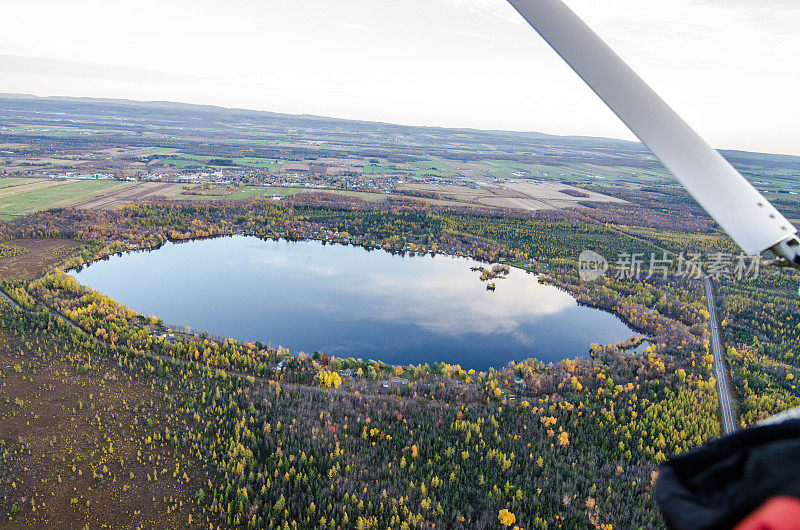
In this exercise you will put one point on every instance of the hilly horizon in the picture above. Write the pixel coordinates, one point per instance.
(181, 106)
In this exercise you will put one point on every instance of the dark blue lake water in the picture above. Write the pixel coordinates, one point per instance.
(349, 302)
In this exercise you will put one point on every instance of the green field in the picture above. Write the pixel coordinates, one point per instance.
(249, 192)
(151, 151)
(434, 168)
(580, 172)
(373, 169)
(197, 158)
(54, 197)
(180, 162)
(266, 163)
(7, 182)
(184, 160)
(506, 168)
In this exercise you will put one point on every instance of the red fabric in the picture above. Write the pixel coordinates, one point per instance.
(778, 513)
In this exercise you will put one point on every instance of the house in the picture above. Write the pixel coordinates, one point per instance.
(279, 366)
(395, 382)
(171, 338)
(347, 372)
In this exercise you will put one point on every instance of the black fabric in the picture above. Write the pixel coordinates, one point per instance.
(721, 483)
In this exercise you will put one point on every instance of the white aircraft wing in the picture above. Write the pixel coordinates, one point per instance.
(734, 203)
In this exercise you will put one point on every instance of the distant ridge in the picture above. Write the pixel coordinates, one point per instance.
(596, 142)
(240, 111)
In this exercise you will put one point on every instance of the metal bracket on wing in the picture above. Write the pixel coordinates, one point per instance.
(744, 213)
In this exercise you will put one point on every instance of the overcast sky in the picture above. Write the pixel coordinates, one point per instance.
(730, 67)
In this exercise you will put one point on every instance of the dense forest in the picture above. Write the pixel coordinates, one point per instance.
(762, 331)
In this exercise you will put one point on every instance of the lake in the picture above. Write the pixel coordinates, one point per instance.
(350, 302)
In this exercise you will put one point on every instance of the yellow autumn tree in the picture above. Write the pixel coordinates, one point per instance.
(328, 379)
(563, 438)
(506, 518)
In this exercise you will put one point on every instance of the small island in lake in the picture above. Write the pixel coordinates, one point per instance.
(498, 270)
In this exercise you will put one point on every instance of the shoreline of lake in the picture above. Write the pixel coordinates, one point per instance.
(473, 330)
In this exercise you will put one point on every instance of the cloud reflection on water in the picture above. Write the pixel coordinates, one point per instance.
(439, 299)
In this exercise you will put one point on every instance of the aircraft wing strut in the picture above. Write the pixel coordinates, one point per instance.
(744, 213)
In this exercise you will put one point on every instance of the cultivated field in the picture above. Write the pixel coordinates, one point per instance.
(447, 191)
(15, 181)
(518, 194)
(129, 194)
(23, 196)
(550, 195)
(27, 185)
(46, 194)
(250, 192)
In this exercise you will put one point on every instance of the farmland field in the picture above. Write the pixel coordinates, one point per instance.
(377, 170)
(432, 168)
(180, 162)
(34, 185)
(56, 195)
(151, 151)
(128, 194)
(524, 195)
(249, 192)
(266, 163)
(15, 181)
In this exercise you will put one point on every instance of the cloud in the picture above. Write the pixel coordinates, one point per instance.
(287, 263)
(518, 301)
(460, 63)
(357, 27)
(497, 9)
(757, 5)
(775, 16)
(44, 66)
(473, 34)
